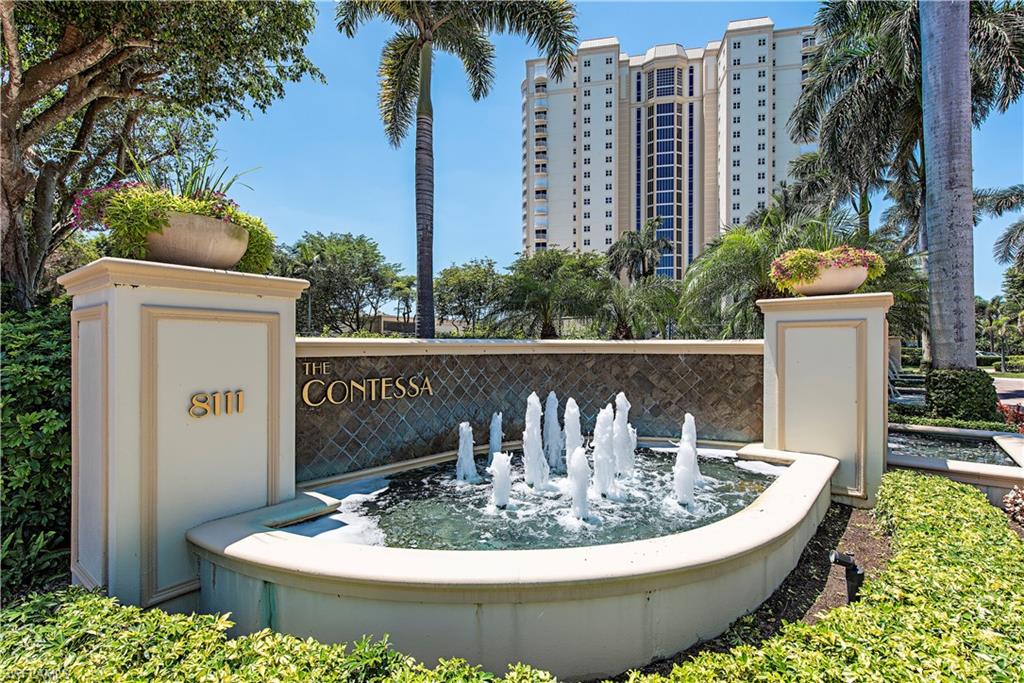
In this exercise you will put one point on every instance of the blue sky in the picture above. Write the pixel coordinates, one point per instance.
(324, 163)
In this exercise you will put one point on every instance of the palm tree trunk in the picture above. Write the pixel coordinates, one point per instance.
(949, 197)
(425, 201)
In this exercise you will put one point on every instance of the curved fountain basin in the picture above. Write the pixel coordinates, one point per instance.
(577, 612)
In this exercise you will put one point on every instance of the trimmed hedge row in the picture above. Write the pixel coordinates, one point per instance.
(949, 606)
(961, 394)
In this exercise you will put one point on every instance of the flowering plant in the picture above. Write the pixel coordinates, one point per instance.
(802, 266)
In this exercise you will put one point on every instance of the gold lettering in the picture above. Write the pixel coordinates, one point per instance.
(330, 392)
(229, 397)
(385, 384)
(426, 386)
(305, 368)
(216, 404)
(240, 401)
(200, 405)
(414, 388)
(400, 387)
(305, 393)
(357, 385)
(373, 387)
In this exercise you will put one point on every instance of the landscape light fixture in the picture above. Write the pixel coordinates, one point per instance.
(854, 574)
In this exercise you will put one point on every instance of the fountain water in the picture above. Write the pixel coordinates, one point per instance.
(553, 434)
(501, 478)
(579, 481)
(533, 449)
(622, 437)
(604, 455)
(496, 437)
(465, 467)
(573, 432)
(686, 470)
(690, 435)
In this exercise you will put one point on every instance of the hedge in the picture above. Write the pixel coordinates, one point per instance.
(961, 394)
(948, 606)
(985, 425)
(35, 402)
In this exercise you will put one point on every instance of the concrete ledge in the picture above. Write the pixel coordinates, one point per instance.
(578, 612)
(995, 481)
(316, 347)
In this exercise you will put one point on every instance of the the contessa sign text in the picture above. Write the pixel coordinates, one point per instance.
(317, 391)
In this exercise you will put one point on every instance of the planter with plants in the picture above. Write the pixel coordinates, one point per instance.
(810, 272)
(186, 219)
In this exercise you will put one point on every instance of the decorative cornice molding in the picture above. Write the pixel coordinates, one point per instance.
(831, 302)
(118, 272)
(310, 347)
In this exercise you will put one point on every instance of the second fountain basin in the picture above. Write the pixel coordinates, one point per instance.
(578, 612)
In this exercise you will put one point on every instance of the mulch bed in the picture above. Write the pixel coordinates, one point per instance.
(811, 589)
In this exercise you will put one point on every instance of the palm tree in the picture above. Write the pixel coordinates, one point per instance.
(1009, 248)
(637, 252)
(949, 199)
(460, 29)
(721, 287)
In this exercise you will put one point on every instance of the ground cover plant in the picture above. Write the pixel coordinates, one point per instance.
(948, 606)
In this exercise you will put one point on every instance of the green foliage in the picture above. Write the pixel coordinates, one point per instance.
(35, 402)
(918, 415)
(803, 265)
(349, 281)
(637, 252)
(551, 284)
(466, 294)
(132, 211)
(961, 394)
(911, 355)
(191, 176)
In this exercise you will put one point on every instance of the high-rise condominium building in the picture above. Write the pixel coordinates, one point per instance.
(695, 136)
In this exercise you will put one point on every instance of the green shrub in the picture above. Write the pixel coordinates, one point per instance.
(988, 361)
(985, 425)
(949, 606)
(910, 355)
(961, 394)
(35, 402)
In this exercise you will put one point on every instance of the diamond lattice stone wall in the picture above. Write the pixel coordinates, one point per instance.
(724, 392)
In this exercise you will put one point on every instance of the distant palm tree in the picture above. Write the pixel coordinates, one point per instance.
(1009, 248)
(638, 252)
(460, 29)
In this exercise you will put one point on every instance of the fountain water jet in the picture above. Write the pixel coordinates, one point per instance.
(683, 472)
(553, 434)
(573, 432)
(579, 481)
(501, 478)
(533, 449)
(690, 435)
(604, 455)
(623, 437)
(496, 437)
(465, 467)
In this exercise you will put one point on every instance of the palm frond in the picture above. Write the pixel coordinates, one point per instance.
(470, 44)
(399, 74)
(547, 24)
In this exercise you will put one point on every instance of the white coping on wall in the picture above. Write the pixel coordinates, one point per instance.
(109, 271)
(252, 544)
(980, 474)
(308, 347)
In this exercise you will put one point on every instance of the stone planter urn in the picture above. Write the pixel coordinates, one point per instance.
(202, 241)
(834, 280)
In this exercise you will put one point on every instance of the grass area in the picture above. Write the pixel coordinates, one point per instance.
(948, 606)
(1008, 375)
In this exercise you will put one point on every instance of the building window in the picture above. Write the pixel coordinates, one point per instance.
(608, 104)
(607, 200)
(607, 160)
(608, 91)
(735, 105)
(607, 145)
(607, 60)
(607, 186)
(666, 82)
(761, 73)
(736, 45)
(736, 91)
(586, 62)
(761, 88)
(735, 149)
(608, 118)
(586, 228)
(586, 243)
(736, 76)
(607, 240)
(761, 42)
(735, 192)
(735, 163)
(607, 131)
(736, 120)
(760, 59)
(607, 227)
(735, 177)
(690, 86)
(735, 61)
(760, 190)
(736, 221)
(736, 134)
(608, 173)
(586, 106)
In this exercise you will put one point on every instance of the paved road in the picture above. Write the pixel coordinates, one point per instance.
(1010, 390)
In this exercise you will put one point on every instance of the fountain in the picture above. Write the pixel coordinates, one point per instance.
(623, 440)
(553, 435)
(573, 432)
(686, 470)
(496, 437)
(465, 467)
(533, 450)
(604, 455)
(579, 481)
(501, 477)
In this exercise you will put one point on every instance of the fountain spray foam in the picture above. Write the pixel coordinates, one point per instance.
(553, 434)
(579, 481)
(623, 438)
(496, 437)
(573, 432)
(465, 467)
(501, 478)
(533, 449)
(604, 455)
(690, 436)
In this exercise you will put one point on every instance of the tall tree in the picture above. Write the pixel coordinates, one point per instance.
(467, 293)
(67, 64)
(949, 198)
(460, 28)
(637, 252)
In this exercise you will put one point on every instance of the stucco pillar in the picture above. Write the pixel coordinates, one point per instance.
(825, 385)
(182, 412)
